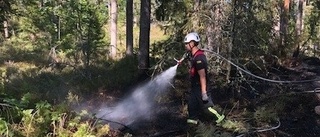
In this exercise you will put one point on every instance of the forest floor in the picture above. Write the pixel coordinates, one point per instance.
(294, 106)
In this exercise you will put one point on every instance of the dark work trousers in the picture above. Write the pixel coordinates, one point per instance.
(195, 104)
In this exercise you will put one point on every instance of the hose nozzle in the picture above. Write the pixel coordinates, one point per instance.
(180, 60)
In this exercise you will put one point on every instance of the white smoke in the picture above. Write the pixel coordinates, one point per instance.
(139, 105)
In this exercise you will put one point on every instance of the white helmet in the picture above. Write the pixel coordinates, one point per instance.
(192, 36)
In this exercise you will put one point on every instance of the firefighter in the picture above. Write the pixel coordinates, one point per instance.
(198, 98)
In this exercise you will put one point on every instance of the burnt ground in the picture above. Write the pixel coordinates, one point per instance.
(294, 107)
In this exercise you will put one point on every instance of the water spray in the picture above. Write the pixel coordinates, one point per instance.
(141, 103)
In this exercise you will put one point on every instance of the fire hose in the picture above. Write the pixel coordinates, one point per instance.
(259, 77)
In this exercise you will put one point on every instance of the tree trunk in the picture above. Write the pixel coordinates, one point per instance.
(214, 32)
(129, 28)
(113, 28)
(136, 16)
(59, 28)
(284, 20)
(144, 36)
(299, 17)
(232, 41)
(299, 27)
(276, 28)
(195, 20)
(6, 29)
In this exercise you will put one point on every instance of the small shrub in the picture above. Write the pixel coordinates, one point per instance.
(4, 128)
(263, 115)
(103, 130)
(208, 130)
(234, 126)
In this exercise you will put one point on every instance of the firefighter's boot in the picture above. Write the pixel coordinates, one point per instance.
(192, 127)
(219, 117)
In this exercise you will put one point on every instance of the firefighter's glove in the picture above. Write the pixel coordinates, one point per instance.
(205, 98)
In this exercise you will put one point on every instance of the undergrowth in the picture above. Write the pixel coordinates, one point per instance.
(48, 120)
(37, 100)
